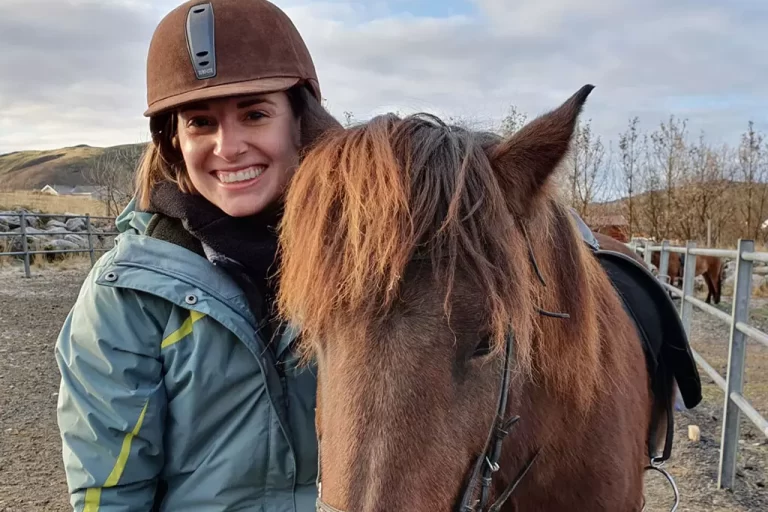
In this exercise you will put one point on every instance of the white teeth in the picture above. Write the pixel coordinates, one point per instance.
(247, 174)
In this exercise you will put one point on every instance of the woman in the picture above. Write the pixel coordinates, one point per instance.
(179, 391)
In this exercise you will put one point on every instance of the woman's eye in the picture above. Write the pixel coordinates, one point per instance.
(198, 122)
(255, 116)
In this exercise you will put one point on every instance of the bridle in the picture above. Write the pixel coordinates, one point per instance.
(487, 463)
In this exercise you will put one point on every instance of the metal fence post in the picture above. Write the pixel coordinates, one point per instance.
(647, 252)
(90, 239)
(664, 262)
(24, 245)
(689, 273)
(734, 379)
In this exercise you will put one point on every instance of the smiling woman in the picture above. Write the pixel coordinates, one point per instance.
(180, 388)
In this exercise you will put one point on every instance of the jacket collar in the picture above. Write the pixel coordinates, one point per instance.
(188, 260)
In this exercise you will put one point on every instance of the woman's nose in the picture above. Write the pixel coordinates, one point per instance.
(230, 142)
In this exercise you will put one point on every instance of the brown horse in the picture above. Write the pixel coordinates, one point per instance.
(619, 233)
(612, 244)
(421, 261)
(710, 267)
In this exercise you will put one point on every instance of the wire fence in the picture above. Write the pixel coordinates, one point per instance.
(25, 234)
(732, 384)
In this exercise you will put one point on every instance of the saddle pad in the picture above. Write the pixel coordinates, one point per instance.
(657, 321)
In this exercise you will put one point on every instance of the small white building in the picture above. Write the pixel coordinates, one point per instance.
(49, 190)
(68, 190)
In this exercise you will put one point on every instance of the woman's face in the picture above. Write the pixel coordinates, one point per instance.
(240, 151)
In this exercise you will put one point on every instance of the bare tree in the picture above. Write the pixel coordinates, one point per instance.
(752, 173)
(721, 191)
(652, 204)
(513, 121)
(630, 150)
(668, 147)
(113, 176)
(586, 175)
(698, 191)
(349, 119)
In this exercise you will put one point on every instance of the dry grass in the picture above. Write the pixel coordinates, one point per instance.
(64, 261)
(67, 261)
(757, 291)
(34, 200)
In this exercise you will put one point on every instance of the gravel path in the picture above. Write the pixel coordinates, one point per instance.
(694, 464)
(31, 314)
(32, 477)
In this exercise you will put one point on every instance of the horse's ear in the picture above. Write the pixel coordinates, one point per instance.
(525, 160)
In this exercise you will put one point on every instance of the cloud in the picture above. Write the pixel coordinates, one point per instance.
(644, 58)
(74, 72)
(77, 70)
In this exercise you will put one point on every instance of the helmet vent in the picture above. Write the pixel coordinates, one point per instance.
(201, 40)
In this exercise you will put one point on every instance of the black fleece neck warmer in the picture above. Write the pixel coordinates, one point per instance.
(250, 242)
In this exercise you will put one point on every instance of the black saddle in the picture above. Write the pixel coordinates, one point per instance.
(665, 343)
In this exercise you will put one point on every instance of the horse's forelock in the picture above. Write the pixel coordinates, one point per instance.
(369, 198)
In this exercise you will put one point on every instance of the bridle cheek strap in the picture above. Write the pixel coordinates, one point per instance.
(488, 461)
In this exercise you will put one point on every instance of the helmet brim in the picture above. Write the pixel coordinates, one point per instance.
(261, 85)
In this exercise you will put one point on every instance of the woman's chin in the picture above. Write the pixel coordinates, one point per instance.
(241, 206)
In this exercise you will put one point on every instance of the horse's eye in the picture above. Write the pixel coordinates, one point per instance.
(483, 348)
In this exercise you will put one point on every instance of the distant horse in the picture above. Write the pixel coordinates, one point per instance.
(448, 301)
(616, 232)
(609, 242)
(710, 267)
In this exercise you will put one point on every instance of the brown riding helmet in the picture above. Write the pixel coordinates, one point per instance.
(207, 49)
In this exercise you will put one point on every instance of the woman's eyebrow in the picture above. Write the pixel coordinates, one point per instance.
(253, 101)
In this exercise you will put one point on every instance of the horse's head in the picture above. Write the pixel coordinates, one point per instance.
(407, 261)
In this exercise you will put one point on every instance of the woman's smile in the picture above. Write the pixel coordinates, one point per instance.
(239, 178)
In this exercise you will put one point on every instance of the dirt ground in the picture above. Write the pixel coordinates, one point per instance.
(32, 477)
(694, 464)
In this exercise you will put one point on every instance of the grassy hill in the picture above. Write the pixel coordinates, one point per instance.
(27, 170)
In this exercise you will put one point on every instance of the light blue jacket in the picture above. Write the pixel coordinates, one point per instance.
(169, 398)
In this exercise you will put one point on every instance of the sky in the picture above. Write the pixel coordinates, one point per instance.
(74, 70)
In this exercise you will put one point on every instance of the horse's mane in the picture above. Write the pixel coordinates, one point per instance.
(369, 199)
